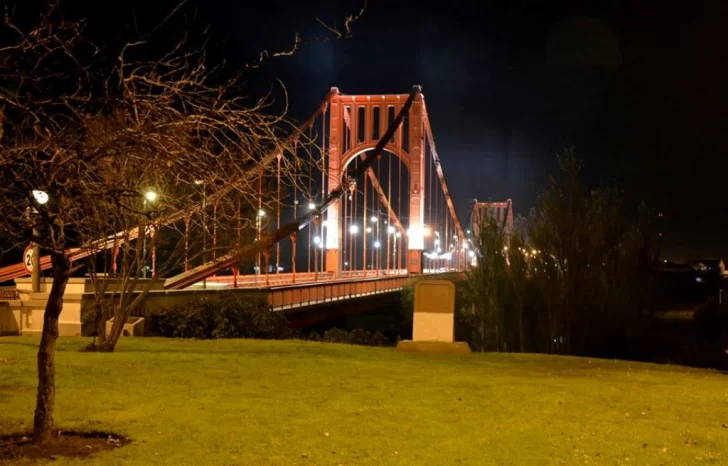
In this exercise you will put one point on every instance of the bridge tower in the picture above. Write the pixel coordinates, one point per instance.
(356, 122)
(501, 213)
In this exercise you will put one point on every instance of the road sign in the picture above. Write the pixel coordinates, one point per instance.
(28, 259)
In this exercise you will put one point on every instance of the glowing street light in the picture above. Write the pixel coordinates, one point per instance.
(311, 206)
(374, 219)
(369, 229)
(377, 244)
(41, 197)
(391, 230)
(353, 229)
(316, 240)
(261, 213)
(149, 196)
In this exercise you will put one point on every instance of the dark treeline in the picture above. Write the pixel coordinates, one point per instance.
(574, 277)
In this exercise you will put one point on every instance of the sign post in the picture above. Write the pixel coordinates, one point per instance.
(433, 321)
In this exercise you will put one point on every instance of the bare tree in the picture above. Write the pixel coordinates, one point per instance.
(95, 130)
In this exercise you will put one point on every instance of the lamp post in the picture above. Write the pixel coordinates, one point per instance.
(259, 228)
(150, 196)
(41, 197)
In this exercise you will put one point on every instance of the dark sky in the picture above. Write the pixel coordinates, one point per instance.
(639, 88)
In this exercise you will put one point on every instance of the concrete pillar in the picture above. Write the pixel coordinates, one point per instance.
(333, 223)
(415, 233)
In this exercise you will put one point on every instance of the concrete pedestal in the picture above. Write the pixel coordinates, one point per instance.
(438, 347)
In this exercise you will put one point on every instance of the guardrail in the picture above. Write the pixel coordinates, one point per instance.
(271, 279)
(298, 296)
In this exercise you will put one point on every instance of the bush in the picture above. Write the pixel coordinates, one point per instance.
(231, 316)
(336, 335)
(360, 337)
(379, 340)
(314, 336)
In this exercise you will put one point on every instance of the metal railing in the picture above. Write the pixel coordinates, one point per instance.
(299, 296)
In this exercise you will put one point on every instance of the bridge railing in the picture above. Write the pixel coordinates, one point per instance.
(298, 296)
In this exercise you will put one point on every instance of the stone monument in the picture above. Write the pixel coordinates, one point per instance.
(433, 322)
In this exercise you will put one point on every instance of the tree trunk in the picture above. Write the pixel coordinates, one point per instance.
(43, 421)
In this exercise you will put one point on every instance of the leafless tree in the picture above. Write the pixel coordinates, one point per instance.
(95, 130)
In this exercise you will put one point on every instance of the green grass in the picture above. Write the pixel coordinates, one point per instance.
(231, 402)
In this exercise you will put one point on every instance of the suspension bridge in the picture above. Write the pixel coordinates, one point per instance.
(376, 211)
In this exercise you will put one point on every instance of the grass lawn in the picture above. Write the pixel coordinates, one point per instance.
(230, 402)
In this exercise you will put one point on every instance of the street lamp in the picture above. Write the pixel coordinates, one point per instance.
(377, 244)
(311, 206)
(353, 229)
(390, 230)
(41, 197)
(259, 227)
(374, 219)
(149, 196)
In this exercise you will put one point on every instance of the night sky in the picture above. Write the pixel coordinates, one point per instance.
(640, 89)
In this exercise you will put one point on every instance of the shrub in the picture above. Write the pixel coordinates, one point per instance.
(231, 316)
(360, 337)
(336, 335)
(379, 340)
(314, 336)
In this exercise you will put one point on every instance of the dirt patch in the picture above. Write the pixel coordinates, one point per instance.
(14, 448)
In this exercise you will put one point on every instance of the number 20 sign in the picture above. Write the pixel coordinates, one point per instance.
(28, 259)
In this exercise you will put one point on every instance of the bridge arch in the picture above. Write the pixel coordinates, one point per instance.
(352, 154)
